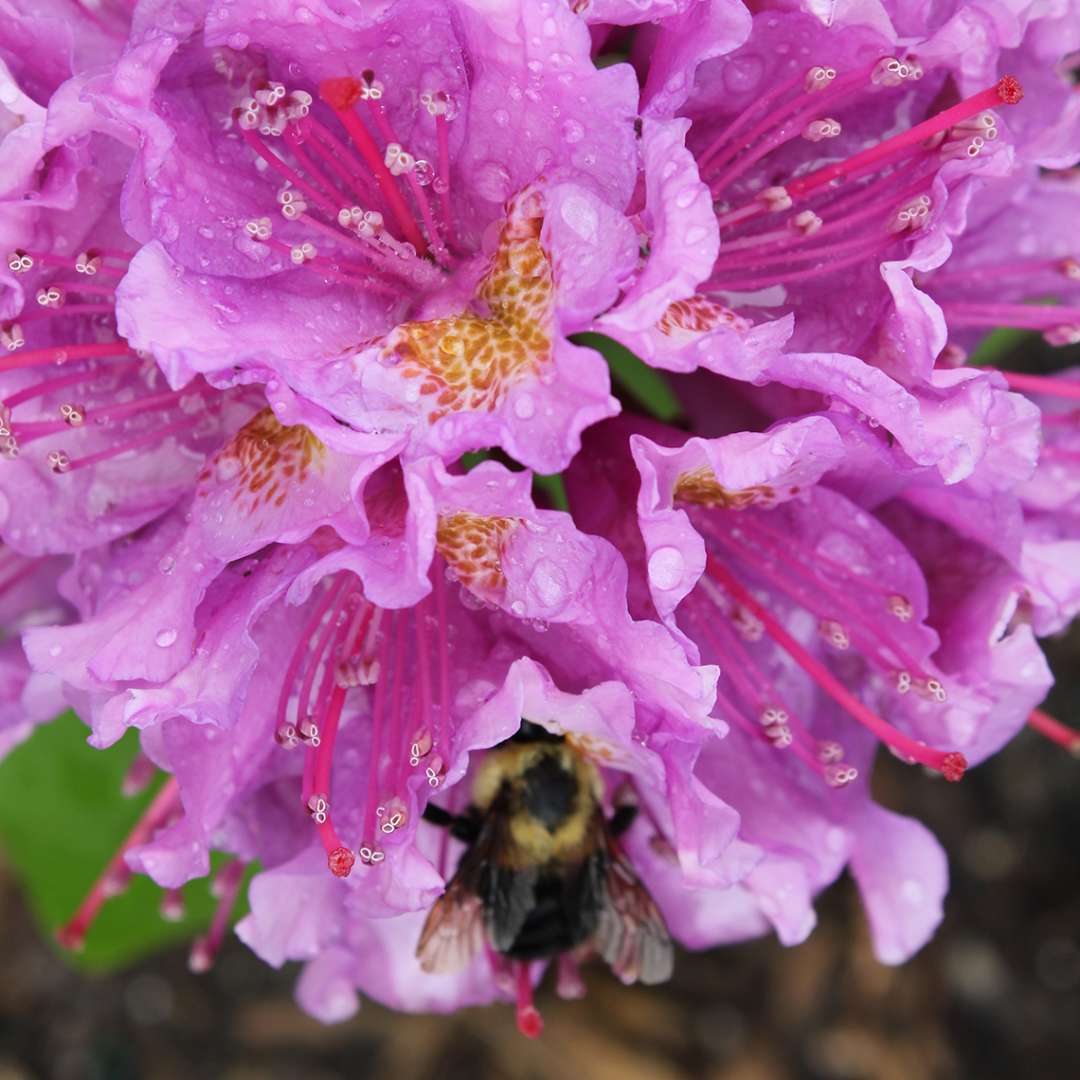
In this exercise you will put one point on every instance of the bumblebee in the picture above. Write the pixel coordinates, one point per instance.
(542, 873)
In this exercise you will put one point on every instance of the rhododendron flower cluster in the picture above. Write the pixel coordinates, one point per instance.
(290, 304)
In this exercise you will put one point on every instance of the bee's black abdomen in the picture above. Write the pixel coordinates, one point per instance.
(565, 913)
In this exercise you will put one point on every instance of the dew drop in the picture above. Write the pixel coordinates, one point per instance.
(666, 567)
(573, 132)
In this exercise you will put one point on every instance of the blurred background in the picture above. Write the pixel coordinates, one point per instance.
(996, 994)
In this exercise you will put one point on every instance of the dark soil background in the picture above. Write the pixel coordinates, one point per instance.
(996, 994)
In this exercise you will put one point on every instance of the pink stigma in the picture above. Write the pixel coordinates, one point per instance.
(1009, 89)
(953, 766)
(341, 93)
(529, 1021)
(341, 861)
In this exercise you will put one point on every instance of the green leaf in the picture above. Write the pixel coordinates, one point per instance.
(552, 486)
(998, 344)
(645, 384)
(62, 817)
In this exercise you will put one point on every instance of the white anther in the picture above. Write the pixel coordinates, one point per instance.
(369, 224)
(87, 263)
(309, 733)
(834, 633)
(775, 198)
(72, 414)
(773, 715)
(435, 771)
(296, 108)
(50, 297)
(1065, 334)
(370, 88)
(780, 736)
(259, 228)
(912, 215)
(302, 253)
(816, 130)
(900, 607)
(840, 775)
(12, 336)
(819, 78)
(420, 747)
(292, 203)
(903, 682)
(19, 262)
(936, 690)
(805, 222)
(964, 148)
(985, 124)
(377, 856)
(9, 447)
(397, 160)
(273, 125)
(318, 806)
(58, 461)
(892, 72)
(437, 102)
(271, 94)
(287, 736)
(830, 752)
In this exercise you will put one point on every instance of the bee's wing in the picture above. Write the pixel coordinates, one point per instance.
(453, 932)
(630, 933)
(482, 897)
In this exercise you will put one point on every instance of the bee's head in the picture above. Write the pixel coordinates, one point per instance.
(533, 733)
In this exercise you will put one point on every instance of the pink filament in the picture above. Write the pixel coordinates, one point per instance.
(949, 763)
(1055, 731)
(73, 933)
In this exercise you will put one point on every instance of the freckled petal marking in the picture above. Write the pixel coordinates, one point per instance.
(686, 319)
(469, 363)
(472, 546)
(264, 459)
(701, 488)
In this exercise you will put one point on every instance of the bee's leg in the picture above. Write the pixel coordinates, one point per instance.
(622, 819)
(462, 827)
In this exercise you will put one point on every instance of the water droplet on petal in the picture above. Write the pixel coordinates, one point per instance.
(666, 567)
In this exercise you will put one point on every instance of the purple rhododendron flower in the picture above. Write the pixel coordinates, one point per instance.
(348, 181)
(817, 617)
(272, 272)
